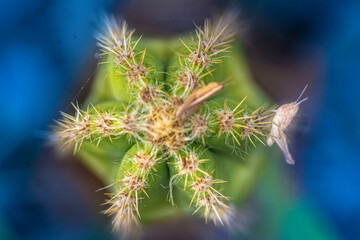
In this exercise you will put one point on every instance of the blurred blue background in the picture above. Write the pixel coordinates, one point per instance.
(47, 53)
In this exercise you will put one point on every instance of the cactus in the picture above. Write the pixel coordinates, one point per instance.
(170, 134)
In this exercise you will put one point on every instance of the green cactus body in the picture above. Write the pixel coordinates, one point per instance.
(176, 143)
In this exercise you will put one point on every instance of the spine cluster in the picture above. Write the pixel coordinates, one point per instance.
(195, 174)
(243, 125)
(134, 178)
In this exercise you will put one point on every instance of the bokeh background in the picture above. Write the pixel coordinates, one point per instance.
(47, 56)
